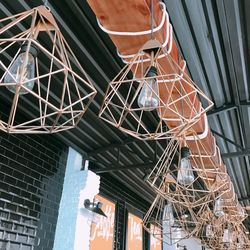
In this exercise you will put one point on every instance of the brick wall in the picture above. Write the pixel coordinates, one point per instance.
(31, 180)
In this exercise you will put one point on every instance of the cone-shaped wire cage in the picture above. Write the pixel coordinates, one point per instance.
(172, 102)
(169, 222)
(45, 88)
(205, 178)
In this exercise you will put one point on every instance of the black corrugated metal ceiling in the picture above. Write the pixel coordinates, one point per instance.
(214, 37)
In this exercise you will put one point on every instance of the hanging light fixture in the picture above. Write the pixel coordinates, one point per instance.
(185, 174)
(241, 212)
(209, 231)
(240, 241)
(221, 232)
(48, 90)
(148, 98)
(168, 216)
(218, 207)
(130, 98)
(22, 71)
(176, 168)
(171, 224)
(95, 209)
(226, 236)
(153, 81)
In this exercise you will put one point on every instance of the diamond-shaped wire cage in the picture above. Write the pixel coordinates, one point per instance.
(46, 88)
(208, 178)
(174, 101)
(172, 226)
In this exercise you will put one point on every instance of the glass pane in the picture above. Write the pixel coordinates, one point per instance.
(101, 236)
(155, 244)
(134, 233)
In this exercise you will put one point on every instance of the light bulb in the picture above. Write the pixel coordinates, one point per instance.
(185, 174)
(241, 211)
(22, 71)
(168, 215)
(218, 208)
(240, 241)
(226, 236)
(148, 97)
(209, 231)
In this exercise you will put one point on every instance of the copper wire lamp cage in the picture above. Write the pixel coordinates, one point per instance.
(227, 205)
(47, 87)
(233, 210)
(158, 85)
(169, 222)
(197, 183)
(222, 232)
(228, 235)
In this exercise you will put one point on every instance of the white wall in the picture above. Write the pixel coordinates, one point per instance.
(73, 227)
(191, 244)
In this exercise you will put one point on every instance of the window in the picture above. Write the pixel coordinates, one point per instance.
(101, 236)
(134, 233)
(155, 243)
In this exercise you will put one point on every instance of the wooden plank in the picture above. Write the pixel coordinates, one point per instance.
(128, 16)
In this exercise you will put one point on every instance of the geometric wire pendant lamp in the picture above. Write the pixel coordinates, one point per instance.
(222, 232)
(169, 222)
(42, 80)
(211, 233)
(231, 208)
(152, 97)
(194, 179)
(228, 235)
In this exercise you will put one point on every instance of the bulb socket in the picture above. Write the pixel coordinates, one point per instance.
(98, 204)
(152, 71)
(185, 152)
(33, 50)
(94, 207)
(87, 203)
